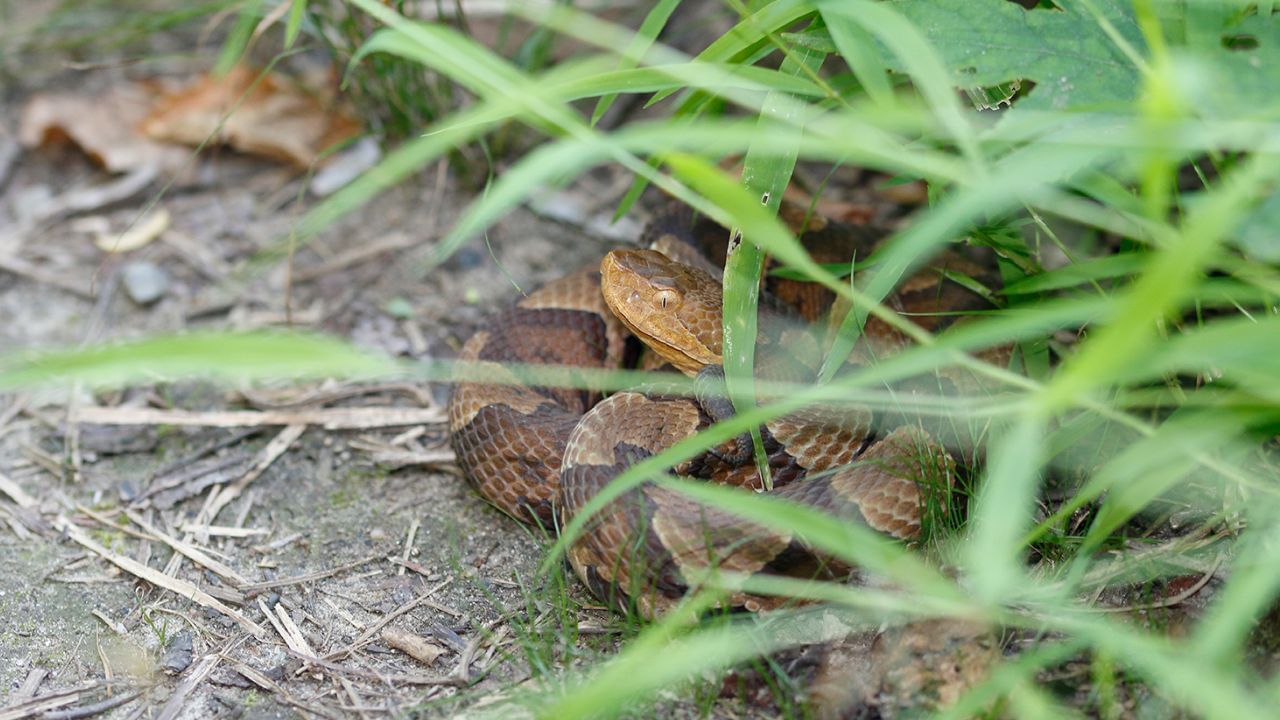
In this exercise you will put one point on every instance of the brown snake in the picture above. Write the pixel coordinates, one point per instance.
(541, 453)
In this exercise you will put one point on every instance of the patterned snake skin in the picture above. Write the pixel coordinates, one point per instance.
(541, 453)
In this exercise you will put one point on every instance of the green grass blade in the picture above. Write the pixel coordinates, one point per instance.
(293, 25)
(1002, 511)
(213, 355)
(765, 174)
(653, 23)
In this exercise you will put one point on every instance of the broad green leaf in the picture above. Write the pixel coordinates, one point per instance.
(1066, 53)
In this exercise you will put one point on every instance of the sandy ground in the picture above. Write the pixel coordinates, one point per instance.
(412, 548)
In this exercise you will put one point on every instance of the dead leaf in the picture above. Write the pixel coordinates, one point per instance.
(103, 125)
(264, 115)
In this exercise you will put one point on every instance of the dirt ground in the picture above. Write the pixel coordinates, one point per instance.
(336, 538)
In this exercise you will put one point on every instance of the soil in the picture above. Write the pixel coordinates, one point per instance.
(412, 538)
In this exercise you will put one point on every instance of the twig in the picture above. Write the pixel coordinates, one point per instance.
(206, 450)
(382, 622)
(195, 554)
(222, 531)
(178, 700)
(357, 255)
(18, 266)
(1169, 601)
(85, 711)
(360, 418)
(155, 577)
(44, 703)
(408, 543)
(308, 577)
(272, 686)
(274, 449)
(405, 679)
(16, 493)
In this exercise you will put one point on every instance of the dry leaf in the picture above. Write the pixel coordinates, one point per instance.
(264, 115)
(104, 125)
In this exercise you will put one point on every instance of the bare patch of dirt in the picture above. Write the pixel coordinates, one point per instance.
(331, 544)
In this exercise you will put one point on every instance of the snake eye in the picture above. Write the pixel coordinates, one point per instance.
(667, 298)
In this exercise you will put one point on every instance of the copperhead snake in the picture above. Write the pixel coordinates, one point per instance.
(541, 453)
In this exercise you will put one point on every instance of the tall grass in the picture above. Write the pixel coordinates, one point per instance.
(1177, 360)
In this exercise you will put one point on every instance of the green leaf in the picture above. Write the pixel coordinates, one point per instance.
(1257, 234)
(215, 355)
(233, 48)
(1105, 268)
(1067, 53)
(649, 29)
(1003, 510)
(297, 11)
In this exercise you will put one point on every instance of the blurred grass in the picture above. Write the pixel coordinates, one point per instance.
(1177, 363)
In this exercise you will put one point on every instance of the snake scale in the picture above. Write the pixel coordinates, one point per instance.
(541, 453)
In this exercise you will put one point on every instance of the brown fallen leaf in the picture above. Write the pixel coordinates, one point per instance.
(264, 115)
(103, 125)
(415, 646)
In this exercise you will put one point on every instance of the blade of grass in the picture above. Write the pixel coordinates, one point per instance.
(766, 174)
(239, 356)
(649, 30)
(1002, 511)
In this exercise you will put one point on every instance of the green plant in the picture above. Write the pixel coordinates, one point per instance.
(1176, 366)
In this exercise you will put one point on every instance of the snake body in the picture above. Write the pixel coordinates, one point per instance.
(541, 453)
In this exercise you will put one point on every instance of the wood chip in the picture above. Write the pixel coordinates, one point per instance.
(16, 493)
(29, 686)
(361, 418)
(155, 577)
(415, 646)
(141, 232)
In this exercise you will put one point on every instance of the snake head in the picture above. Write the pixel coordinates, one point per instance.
(673, 308)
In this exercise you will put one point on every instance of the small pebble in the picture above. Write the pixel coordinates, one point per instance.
(145, 282)
(178, 653)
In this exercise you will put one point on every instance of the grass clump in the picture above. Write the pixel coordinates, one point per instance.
(1126, 182)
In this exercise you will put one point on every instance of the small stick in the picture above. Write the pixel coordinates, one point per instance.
(274, 449)
(85, 711)
(308, 577)
(222, 531)
(382, 622)
(195, 554)
(155, 577)
(16, 493)
(408, 543)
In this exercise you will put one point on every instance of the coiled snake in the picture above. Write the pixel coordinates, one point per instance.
(541, 453)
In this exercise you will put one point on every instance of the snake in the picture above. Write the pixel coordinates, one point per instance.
(542, 453)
